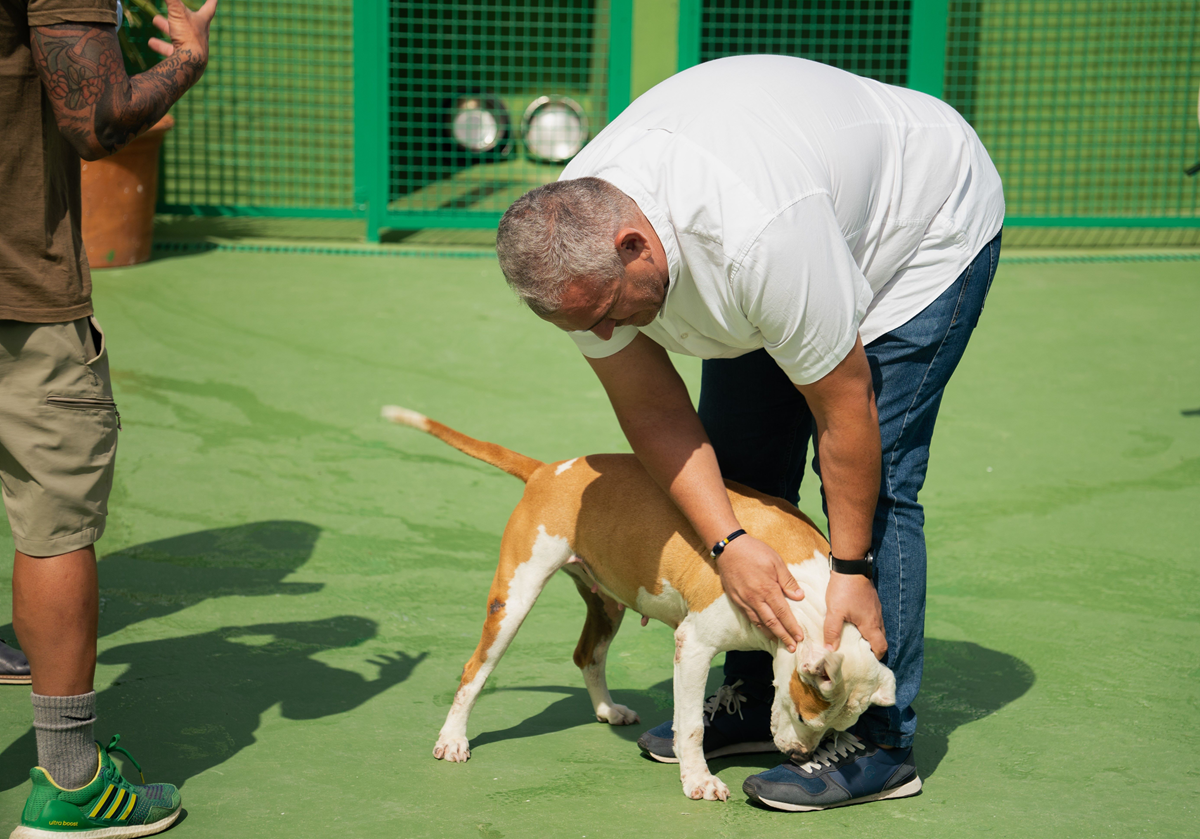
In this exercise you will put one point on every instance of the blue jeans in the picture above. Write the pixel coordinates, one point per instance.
(760, 427)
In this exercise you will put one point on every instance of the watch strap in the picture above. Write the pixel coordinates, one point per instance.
(853, 566)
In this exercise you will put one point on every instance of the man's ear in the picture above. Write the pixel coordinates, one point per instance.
(885, 694)
(631, 243)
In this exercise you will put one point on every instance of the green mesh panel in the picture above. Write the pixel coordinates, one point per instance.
(514, 50)
(1087, 107)
(867, 37)
(271, 122)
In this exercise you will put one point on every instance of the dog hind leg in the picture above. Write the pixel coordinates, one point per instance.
(522, 574)
(602, 622)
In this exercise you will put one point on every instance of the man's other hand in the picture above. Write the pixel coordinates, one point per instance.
(185, 29)
(851, 598)
(759, 583)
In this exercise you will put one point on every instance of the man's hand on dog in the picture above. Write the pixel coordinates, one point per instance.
(851, 598)
(757, 581)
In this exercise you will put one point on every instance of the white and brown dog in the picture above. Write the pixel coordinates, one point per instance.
(604, 521)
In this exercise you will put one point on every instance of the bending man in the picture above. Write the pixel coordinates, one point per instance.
(825, 243)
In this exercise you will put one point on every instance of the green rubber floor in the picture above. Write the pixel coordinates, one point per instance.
(291, 585)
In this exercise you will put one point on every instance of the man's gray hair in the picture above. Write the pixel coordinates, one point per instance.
(560, 232)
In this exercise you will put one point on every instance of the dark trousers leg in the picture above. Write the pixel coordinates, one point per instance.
(760, 426)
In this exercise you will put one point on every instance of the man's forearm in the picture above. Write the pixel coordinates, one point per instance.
(843, 405)
(98, 107)
(652, 404)
(684, 464)
(137, 105)
(850, 468)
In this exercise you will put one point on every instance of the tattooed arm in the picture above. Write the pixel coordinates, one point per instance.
(100, 109)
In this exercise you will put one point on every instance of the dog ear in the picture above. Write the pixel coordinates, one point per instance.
(885, 694)
(825, 671)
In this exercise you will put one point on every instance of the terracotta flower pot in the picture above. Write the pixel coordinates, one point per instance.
(119, 194)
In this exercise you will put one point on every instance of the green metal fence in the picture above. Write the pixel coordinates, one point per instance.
(269, 129)
(451, 101)
(347, 108)
(867, 37)
(1087, 107)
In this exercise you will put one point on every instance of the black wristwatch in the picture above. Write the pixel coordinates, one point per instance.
(865, 566)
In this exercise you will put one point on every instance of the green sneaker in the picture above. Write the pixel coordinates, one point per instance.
(107, 807)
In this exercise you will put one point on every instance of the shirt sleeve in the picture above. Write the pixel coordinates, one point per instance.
(594, 347)
(49, 12)
(800, 287)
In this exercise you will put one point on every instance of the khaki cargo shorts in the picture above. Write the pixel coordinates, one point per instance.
(58, 434)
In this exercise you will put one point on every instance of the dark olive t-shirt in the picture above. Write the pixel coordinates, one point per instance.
(44, 276)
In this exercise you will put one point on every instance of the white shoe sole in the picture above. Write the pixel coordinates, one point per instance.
(726, 751)
(903, 791)
(119, 832)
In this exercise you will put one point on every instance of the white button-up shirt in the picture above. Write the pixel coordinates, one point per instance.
(799, 206)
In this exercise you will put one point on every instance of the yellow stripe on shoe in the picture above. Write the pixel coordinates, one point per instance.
(129, 806)
(104, 801)
(116, 805)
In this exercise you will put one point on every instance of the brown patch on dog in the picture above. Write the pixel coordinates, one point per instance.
(809, 704)
(516, 546)
(598, 627)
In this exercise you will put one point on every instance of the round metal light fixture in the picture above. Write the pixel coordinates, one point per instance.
(555, 128)
(480, 123)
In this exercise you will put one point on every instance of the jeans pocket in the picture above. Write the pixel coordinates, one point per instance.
(962, 293)
(993, 264)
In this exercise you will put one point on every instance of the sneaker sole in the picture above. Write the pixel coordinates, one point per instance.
(724, 751)
(903, 791)
(16, 680)
(122, 832)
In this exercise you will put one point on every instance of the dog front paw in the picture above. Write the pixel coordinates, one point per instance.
(706, 786)
(453, 749)
(616, 714)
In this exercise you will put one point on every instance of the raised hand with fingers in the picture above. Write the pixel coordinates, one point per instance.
(185, 29)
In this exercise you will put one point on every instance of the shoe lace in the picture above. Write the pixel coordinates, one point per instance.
(726, 697)
(841, 744)
(113, 747)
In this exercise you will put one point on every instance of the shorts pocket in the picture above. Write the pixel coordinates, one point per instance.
(86, 403)
(97, 340)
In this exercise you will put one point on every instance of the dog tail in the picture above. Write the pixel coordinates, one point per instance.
(517, 465)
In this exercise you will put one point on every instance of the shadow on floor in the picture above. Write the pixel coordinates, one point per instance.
(155, 579)
(963, 682)
(187, 704)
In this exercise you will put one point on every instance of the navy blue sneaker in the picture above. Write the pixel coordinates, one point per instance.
(14, 667)
(843, 770)
(733, 725)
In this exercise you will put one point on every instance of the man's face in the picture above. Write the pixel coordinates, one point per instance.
(633, 300)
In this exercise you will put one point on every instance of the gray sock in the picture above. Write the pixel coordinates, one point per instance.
(66, 749)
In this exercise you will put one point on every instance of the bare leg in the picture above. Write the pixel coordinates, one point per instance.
(56, 607)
